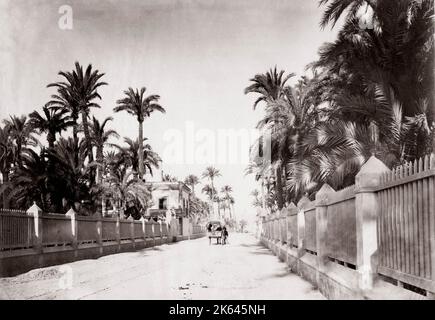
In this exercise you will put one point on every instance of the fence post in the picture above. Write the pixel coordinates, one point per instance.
(161, 231)
(367, 210)
(153, 233)
(283, 226)
(118, 232)
(301, 226)
(100, 233)
(73, 216)
(263, 227)
(142, 220)
(36, 213)
(275, 227)
(278, 226)
(322, 226)
(130, 218)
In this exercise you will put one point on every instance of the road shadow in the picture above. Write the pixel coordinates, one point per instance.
(262, 251)
(251, 245)
(284, 272)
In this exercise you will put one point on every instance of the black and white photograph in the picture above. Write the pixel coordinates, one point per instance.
(217, 150)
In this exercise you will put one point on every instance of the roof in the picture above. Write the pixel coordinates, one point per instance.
(169, 185)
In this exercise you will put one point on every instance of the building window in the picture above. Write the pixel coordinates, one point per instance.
(163, 203)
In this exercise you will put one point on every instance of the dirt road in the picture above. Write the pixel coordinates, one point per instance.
(243, 269)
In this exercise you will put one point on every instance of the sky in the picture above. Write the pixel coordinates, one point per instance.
(198, 55)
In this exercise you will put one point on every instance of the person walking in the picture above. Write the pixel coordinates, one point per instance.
(209, 231)
(224, 235)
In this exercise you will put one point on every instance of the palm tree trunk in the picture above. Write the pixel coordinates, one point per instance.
(51, 138)
(88, 144)
(19, 161)
(279, 189)
(100, 159)
(263, 197)
(212, 196)
(75, 132)
(5, 175)
(229, 209)
(100, 202)
(141, 166)
(76, 139)
(286, 195)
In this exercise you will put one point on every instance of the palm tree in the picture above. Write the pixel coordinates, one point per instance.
(79, 91)
(191, 180)
(124, 188)
(262, 173)
(218, 201)
(21, 133)
(133, 151)
(243, 223)
(54, 121)
(272, 89)
(136, 104)
(64, 100)
(393, 60)
(227, 190)
(231, 202)
(71, 176)
(211, 173)
(373, 72)
(100, 138)
(7, 155)
(169, 178)
(223, 205)
(270, 85)
(209, 191)
(29, 182)
(256, 202)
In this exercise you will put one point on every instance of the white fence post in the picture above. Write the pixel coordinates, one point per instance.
(142, 220)
(73, 216)
(118, 232)
(322, 226)
(131, 219)
(367, 210)
(36, 212)
(301, 231)
(99, 226)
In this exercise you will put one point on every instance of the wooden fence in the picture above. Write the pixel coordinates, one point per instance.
(292, 227)
(16, 230)
(310, 229)
(341, 222)
(402, 202)
(406, 224)
(31, 239)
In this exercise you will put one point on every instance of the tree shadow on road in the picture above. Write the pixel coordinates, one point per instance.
(251, 245)
(284, 272)
(262, 251)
